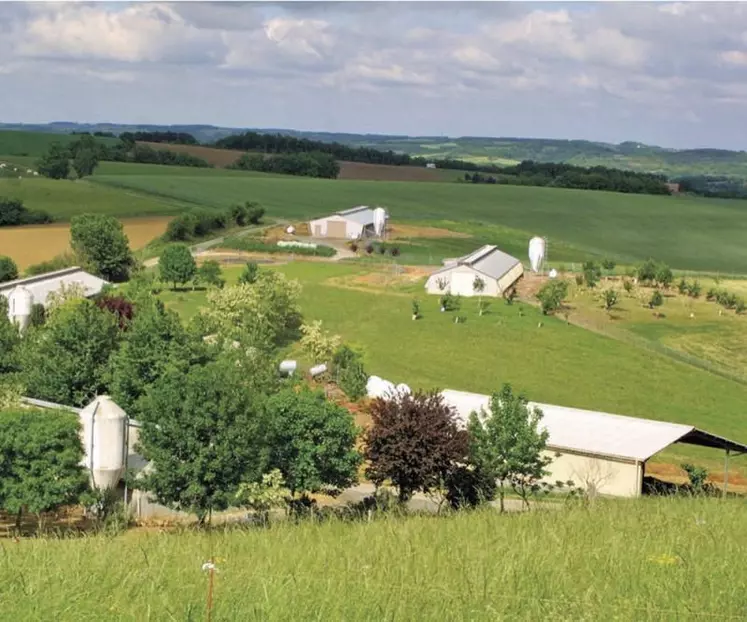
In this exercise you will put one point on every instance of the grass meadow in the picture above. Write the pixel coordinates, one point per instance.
(556, 362)
(649, 559)
(688, 233)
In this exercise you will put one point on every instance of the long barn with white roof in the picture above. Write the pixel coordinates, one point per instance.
(599, 451)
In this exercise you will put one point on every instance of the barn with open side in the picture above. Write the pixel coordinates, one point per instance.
(497, 270)
(600, 451)
(351, 224)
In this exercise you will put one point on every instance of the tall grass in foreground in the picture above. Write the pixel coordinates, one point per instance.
(653, 559)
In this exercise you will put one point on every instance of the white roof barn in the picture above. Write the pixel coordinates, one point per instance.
(599, 449)
(353, 223)
(42, 285)
(498, 271)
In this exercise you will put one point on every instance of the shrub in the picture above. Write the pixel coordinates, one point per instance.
(579, 279)
(711, 294)
(317, 343)
(38, 314)
(510, 295)
(450, 302)
(394, 251)
(468, 487)
(210, 273)
(740, 307)
(65, 260)
(249, 273)
(551, 296)
(13, 212)
(627, 286)
(591, 272)
(351, 375)
(664, 276)
(608, 264)
(381, 249)
(122, 309)
(8, 269)
(647, 271)
(259, 246)
(369, 248)
(697, 476)
(610, 299)
(682, 287)
(693, 289)
(656, 299)
(415, 308)
(354, 247)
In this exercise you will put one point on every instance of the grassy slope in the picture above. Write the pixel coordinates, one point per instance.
(15, 143)
(687, 233)
(557, 363)
(655, 559)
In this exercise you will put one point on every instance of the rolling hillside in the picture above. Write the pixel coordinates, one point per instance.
(501, 151)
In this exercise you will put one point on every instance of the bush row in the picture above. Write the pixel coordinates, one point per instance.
(312, 164)
(371, 248)
(13, 212)
(254, 245)
(200, 222)
(728, 300)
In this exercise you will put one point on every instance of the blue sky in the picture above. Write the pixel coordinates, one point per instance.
(673, 74)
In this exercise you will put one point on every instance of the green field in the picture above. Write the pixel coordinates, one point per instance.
(695, 234)
(556, 363)
(654, 559)
(34, 144)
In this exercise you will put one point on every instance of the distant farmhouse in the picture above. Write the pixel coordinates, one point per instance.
(498, 270)
(350, 224)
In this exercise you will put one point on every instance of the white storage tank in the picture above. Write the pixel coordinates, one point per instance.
(20, 301)
(536, 253)
(379, 218)
(104, 441)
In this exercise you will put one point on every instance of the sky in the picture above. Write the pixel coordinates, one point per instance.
(670, 74)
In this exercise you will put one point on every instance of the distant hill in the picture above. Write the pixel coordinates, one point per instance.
(500, 151)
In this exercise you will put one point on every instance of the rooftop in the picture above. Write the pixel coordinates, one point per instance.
(362, 214)
(488, 260)
(42, 285)
(600, 433)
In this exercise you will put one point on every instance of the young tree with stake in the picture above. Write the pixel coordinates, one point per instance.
(507, 444)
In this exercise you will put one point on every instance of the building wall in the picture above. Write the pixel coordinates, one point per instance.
(605, 475)
(461, 279)
(352, 229)
(508, 279)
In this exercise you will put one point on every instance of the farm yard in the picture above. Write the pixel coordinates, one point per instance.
(682, 362)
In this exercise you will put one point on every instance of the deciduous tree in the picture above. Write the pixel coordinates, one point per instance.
(8, 269)
(99, 240)
(311, 440)
(507, 444)
(55, 164)
(40, 456)
(66, 361)
(202, 431)
(176, 264)
(414, 441)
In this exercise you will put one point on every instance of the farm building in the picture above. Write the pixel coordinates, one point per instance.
(600, 451)
(42, 285)
(498, 271)
(351, 224)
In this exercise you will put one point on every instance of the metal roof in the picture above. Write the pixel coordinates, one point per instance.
(600, 433)
(42, 285)
(362, 214)
(488, 260)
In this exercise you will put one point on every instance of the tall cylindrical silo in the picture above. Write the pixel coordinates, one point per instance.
(104, 437)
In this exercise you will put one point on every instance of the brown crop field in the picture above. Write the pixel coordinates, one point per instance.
(348, 170)
(37, 243)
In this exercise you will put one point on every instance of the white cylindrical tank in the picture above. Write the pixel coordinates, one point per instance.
(318, 369)
(536, 253)
(379, 216)
(288, 367)
(290, 230)
(104, 435)
(20, 301)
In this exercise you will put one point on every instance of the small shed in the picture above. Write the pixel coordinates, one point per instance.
(350, 224)
(600, 451)
(42, 285)
(498, 271)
